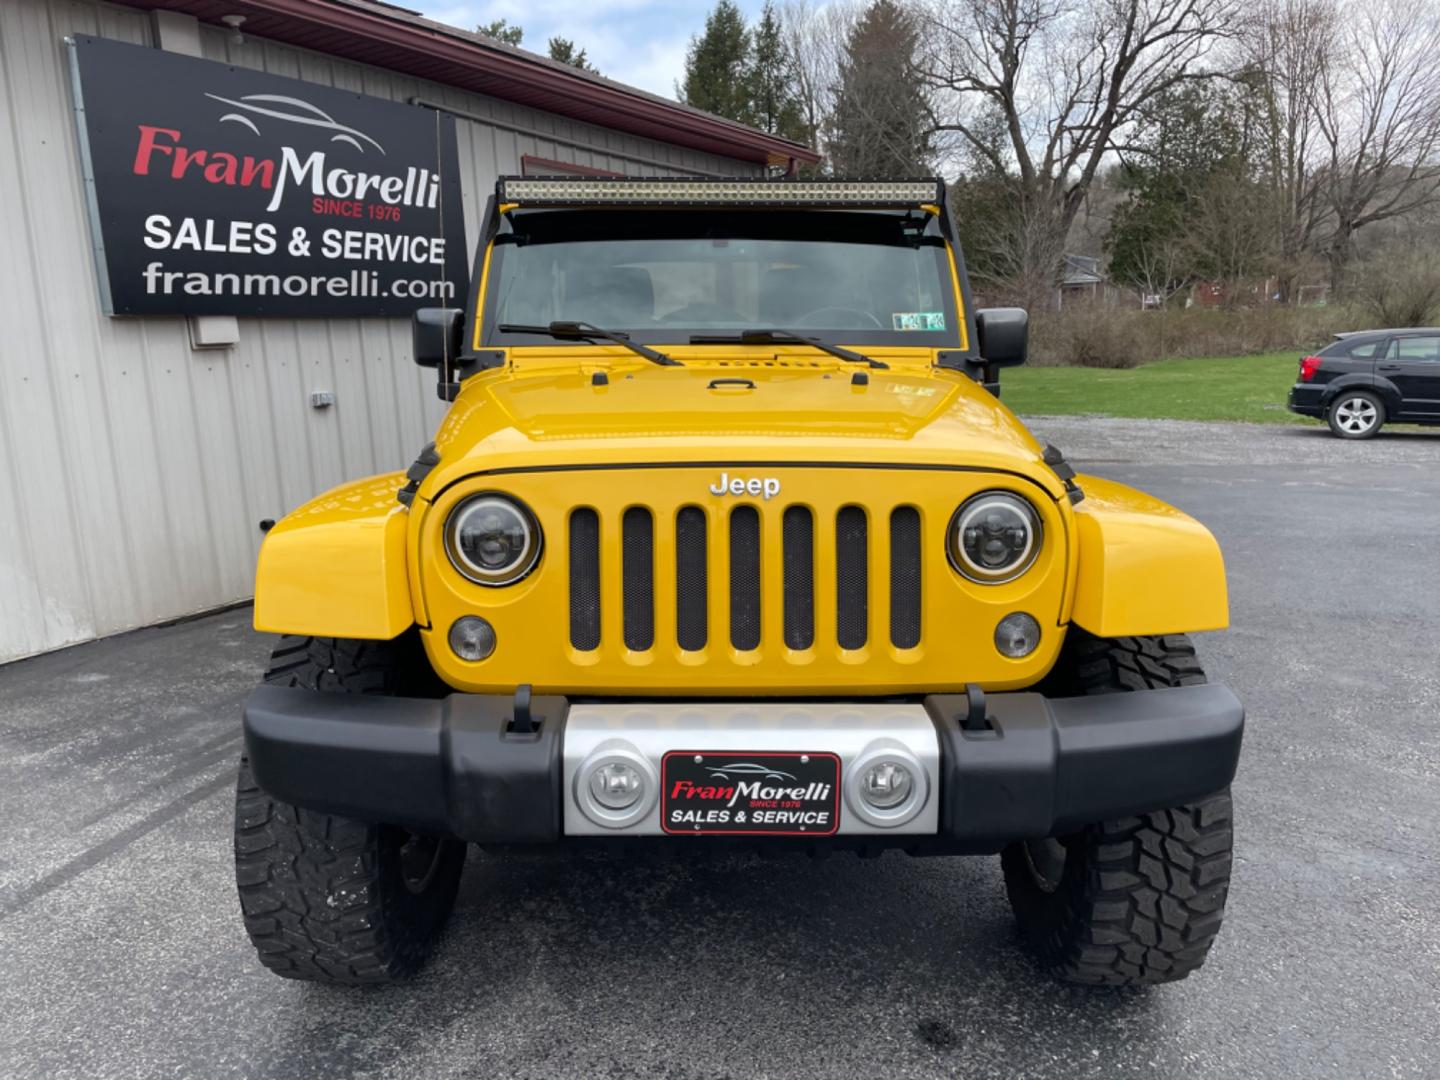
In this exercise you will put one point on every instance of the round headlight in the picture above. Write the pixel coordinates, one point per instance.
(994, 537)
(492, 539)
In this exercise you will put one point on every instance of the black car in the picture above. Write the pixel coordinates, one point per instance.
(1362, 379)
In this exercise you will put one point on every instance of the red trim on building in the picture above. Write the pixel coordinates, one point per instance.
(400, 40)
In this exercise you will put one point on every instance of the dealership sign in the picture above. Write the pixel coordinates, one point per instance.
(217, 190)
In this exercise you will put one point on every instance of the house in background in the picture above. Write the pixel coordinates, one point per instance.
(1080, 280)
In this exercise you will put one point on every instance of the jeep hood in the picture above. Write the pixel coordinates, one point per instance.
(781, 412)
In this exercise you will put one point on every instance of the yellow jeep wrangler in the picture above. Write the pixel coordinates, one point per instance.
(727, 539)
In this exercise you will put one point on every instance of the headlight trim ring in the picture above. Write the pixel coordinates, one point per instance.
(511, 573)
(955, 545)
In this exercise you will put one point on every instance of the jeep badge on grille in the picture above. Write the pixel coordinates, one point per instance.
(767, 487)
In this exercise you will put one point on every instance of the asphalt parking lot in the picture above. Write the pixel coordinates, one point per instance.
(122, 953)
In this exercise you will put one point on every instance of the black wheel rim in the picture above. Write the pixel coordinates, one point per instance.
(420, 860)
(1046, 860)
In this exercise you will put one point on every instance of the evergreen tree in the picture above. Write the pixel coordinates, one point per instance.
(1191, 192)
(563, 50)
(774, 106)
(882, 118)
(718, 65)
(984, 204)
(501, 30)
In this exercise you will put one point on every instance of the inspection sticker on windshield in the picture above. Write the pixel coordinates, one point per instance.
(918, 320)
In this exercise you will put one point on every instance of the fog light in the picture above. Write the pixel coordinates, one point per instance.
(1017, 635)
(472, 638)
(616, 785)
(886, 785)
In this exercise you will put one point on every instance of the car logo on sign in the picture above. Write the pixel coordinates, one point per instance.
(767, 487)
(748, 768)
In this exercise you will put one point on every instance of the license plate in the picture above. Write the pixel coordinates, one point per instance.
(754, 793)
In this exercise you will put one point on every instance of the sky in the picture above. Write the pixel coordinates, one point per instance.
(640, 42)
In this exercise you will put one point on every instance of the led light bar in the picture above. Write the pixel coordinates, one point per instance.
(664, 191)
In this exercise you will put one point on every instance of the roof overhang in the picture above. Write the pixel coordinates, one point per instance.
(401, 40)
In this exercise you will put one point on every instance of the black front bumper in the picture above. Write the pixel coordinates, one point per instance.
(1039, 766)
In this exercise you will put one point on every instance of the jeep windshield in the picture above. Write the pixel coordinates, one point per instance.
(664, 276)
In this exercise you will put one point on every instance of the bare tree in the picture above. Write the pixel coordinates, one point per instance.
(1069, 77)
(1402, 288)
(1157, 271)
(1378, 116)
(815, 37)
(1283, 56)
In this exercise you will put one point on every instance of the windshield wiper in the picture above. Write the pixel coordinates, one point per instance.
(784, 337)
(583, 331)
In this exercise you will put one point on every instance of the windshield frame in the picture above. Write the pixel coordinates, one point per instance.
(800, 224)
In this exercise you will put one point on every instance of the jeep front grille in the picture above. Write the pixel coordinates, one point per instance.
(692, 589)
(798, 530)
(637, 578)
(585, 579)
(745, 578)
(852, 584)
(905, 577)
(645, 548)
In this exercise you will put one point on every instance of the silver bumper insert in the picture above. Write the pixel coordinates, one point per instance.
(641, 733)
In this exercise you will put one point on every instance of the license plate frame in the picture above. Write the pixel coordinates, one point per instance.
(793, 792)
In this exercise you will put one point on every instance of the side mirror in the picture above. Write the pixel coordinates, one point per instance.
(435, 336)
(1003, 336)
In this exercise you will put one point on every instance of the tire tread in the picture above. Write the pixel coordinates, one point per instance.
(1142, 898)
(321, 895)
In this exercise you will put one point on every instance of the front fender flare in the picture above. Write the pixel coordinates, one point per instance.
(1145, 567)
(336, 566)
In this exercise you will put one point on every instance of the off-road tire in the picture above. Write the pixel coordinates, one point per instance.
(1353, 399)
(1092, 665)
(1139, 900)
(347, 666)
(327, 898)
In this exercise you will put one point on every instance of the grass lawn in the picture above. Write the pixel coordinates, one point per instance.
(1250, 388)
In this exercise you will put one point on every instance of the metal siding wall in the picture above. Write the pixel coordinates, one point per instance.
(134, 470)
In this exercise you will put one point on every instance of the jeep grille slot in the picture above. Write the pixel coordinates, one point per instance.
(585, 579)
(852, 579)
(692, 584)
(637, 578)
(745, 578)
(905, 577)
(798, 530)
